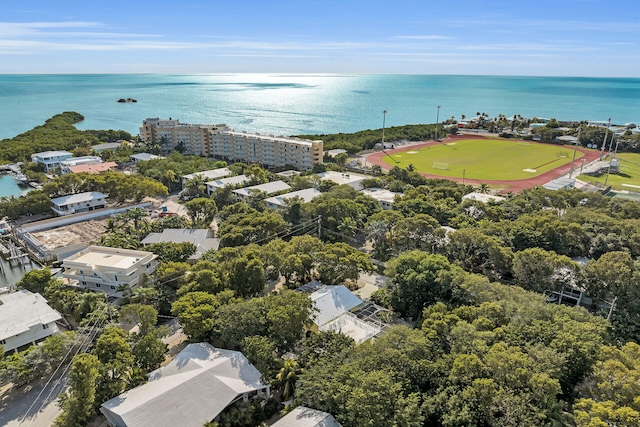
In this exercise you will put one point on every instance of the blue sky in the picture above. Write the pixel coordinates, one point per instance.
(546, 38)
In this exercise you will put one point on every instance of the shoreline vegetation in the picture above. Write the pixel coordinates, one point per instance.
(57, 133)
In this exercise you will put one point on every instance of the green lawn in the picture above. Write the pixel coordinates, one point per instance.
(629, 173)
(490, 159)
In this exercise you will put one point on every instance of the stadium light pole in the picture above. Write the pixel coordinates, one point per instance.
(437, 121)
(463, 172)
(604, 143)
(384, 117)
(575, 149)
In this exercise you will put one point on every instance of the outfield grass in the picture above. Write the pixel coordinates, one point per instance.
(629, 173)
(489, 159)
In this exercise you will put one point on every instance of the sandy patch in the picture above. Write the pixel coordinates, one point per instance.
(82, 232)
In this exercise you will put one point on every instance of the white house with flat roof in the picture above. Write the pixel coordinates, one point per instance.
(210, 175)
(25, 319)
(192, 390)
(384, 197)
(268, 188)
(81, 202)
(279, 202)
(51, 159)
(108, 270)
(351, 179)
(77, 161)
(224, 182)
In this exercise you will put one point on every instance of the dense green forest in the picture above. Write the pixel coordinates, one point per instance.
(57, 133)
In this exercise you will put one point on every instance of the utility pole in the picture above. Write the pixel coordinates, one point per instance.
(384, 117)
(437, 121)
(319, 225)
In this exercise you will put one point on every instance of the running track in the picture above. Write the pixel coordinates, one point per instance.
(512, 185)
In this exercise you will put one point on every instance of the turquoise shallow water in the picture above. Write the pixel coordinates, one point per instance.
(289, 104)
(8, 187)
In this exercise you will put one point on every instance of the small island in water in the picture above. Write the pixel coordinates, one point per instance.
(123, 100)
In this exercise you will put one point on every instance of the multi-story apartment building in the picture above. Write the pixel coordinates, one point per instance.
(221, 142)
(51, 159)
(108, 270)
(268, 150)
(171, 135)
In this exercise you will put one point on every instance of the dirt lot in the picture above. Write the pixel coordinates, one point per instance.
(82, 232)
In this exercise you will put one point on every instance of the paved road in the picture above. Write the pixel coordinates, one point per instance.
(42, 413)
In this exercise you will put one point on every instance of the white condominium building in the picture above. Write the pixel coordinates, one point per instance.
(108, 270)
(267, 150)
(173, 135)
(221, 142)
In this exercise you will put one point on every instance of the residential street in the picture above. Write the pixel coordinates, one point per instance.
(14, 407)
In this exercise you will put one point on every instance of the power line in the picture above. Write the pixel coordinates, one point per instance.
(81, 338)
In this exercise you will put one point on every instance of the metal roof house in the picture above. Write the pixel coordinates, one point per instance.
(106, 146)
(210, 175)
(307, 417)
(269, 188)
(278, 202)
(25, 319)
(198, 384)
(143, 157)
(76, 203)
(224, 182)
(331, 302)
(333, 306)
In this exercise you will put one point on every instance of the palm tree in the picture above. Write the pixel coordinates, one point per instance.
(288, 376)
(377, 233)
(348, 227)
(196, 186)
(169, 177)
(483, 188)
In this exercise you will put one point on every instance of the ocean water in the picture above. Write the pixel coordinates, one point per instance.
(8, 187)
(291, 104)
